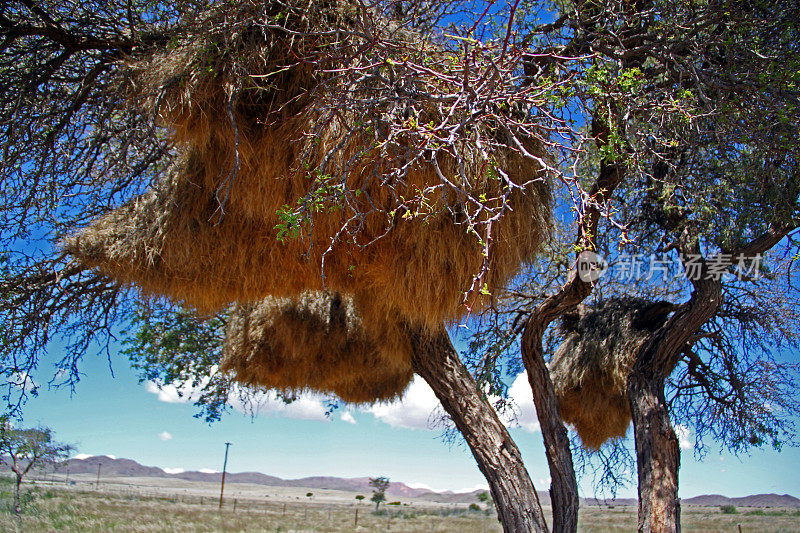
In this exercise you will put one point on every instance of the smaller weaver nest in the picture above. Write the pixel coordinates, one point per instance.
(591, 366)
(315, 342)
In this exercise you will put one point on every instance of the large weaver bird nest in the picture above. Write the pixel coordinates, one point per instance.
(274, 193)
(591, 366)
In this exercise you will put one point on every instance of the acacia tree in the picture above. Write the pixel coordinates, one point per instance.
(73, 149)
(697, 175)
(29, 448)
(641, 104)
(379, 486)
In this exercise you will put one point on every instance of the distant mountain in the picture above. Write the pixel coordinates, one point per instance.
(713, 500)
(602, 502)
(112, 467)
(757, 500)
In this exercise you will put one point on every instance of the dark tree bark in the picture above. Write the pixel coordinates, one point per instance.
(564, 485)
(657, 456)
(498, 457)
(657, 451)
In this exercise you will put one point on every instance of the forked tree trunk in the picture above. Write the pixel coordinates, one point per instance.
(436, 361)
(657, 455)
(563, 484)
(657, 450)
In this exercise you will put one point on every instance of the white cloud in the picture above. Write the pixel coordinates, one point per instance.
(21, 380)
(421, 486)
(171, 393)
(412, 411)
(348, 417)
(417, 408)
(165, 436)
(479, 486)
(305, 407)
(523, 413)
(174, 470)
(683, 432)
(111, 456)
(82, 456)
(208, 471)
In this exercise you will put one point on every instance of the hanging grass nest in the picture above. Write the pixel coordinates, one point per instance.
(316, 342)
(591, 366)
(279, 189)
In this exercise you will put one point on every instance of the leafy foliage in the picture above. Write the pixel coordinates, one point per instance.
(176, 348)
(25, 449)
(379, 486)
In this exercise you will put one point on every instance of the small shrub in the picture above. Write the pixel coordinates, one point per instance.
(474, 507)
(393, 503)
(757, 512)
(728, 509)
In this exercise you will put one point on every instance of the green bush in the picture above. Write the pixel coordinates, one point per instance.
(728, 509)
(474, 507)
(26, 500)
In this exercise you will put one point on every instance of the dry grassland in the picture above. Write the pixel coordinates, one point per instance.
(77, 508)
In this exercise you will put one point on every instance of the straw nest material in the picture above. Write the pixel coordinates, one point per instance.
(591, 366)
(246, 108)
(316, 342)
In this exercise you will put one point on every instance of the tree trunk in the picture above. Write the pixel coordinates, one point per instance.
(657, 450)
(657, 455)
(564, 484)
(499, 459)
(17, 506)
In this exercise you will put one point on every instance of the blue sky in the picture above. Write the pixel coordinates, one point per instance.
(119, 416)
